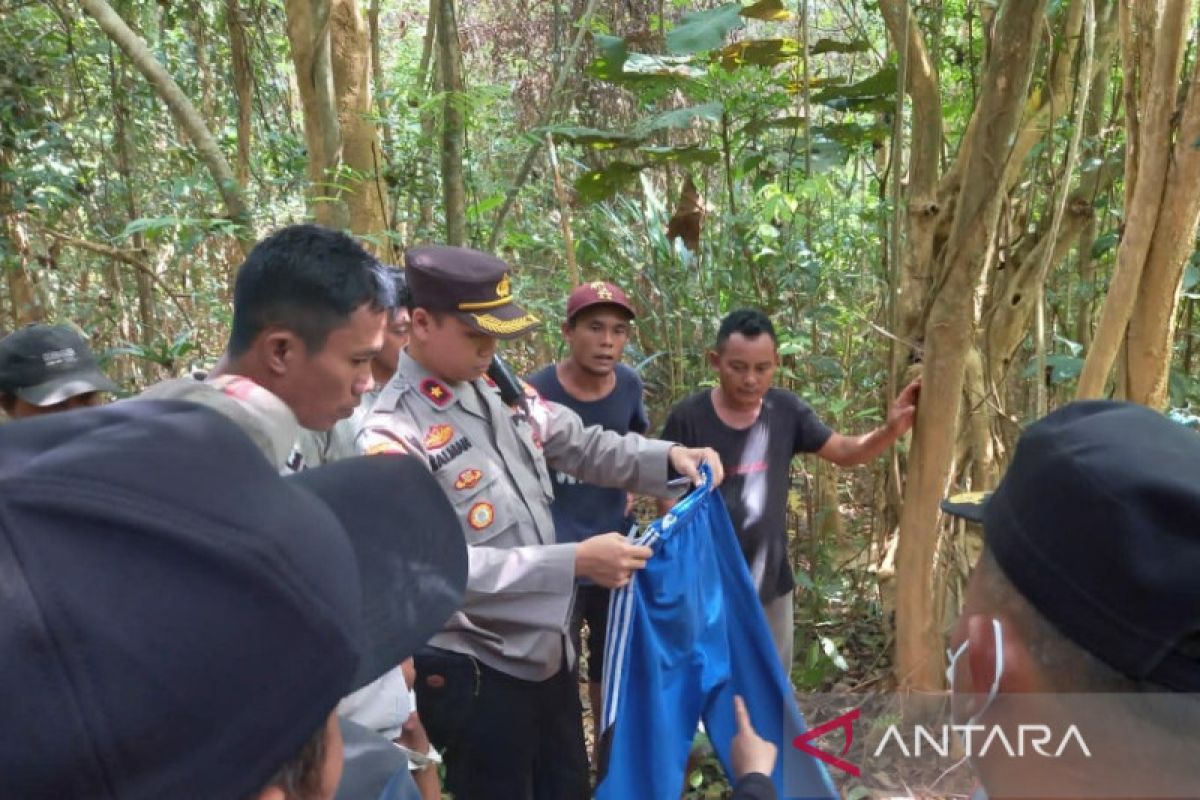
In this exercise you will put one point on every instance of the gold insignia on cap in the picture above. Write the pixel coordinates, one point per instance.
(503, 288)
(502, 327)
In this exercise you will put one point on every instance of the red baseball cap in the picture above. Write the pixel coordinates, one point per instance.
(597, 293)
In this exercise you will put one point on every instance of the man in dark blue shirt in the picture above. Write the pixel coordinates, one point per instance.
(592, 382)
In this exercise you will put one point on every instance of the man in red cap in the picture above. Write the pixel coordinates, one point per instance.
(592, 382)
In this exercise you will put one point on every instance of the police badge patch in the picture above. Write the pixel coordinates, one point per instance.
(468, 479)
(438, 436)
(481, 515)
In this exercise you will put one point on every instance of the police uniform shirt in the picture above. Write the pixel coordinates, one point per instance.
(491, 462)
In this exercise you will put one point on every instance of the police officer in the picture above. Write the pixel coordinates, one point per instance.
(494, 687)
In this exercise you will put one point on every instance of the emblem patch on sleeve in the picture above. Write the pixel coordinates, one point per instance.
(438, 436)
(481, 515)
(468, 479)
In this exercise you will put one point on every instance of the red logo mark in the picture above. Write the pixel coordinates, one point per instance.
(846, 723)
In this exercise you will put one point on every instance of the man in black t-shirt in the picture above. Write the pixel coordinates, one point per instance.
(593, 383)
(757, 429)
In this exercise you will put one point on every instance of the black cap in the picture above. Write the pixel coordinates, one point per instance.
(474, 285)
(1096, 524)
(178, 619)
(47, 364)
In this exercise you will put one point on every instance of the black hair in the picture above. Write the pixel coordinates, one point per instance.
(306, 279)
(300, 776)
(401, 293)
(749, 322)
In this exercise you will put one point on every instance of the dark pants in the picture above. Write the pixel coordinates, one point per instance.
(502, 738)
(591, 604)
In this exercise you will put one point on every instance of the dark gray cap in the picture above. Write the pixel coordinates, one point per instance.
(47, 364)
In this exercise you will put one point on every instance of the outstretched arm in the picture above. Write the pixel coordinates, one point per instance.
(850, 451)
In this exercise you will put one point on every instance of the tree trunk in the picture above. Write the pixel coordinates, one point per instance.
(308, 33)
(948, 335)
(1152, 324)
(454, 190)
(1144, 206)
(366, 193)
(145, 289)
(25, 306)
(243, 86)
(182, 110)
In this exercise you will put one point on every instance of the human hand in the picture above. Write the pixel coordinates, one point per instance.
(748, 751)
(687, 461)
(903, 412)
(609, 559)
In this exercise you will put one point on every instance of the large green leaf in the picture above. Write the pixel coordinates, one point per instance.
(589, 136)
(699, 31)
(869, 92)
(610, 64)
(834, 46)
(769, 10)
(691, 154)
(759, 52)
(600, 184)
(679, 118)
(760, 125)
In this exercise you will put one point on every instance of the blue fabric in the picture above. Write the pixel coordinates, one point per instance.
(581, 510)
(684, 637)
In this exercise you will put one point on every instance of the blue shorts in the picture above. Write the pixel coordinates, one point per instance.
(685, 636)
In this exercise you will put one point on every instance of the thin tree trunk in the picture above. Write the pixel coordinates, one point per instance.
(25, 305)
(1144, 205)
(365, 190)
(948, 336)
(182, 110)
(145, 289)
(243, 86)
(1152, 323)
(308, 33)
(454, 189)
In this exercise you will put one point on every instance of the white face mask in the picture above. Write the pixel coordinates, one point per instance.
(997, 671)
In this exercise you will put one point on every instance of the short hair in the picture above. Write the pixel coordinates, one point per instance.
(306, 279)
(401, 294)
(749, 322)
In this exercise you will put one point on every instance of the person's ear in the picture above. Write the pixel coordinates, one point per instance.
(1016, 671)
(420, 323)
(279, 350)
(714, 359)
(567, 329)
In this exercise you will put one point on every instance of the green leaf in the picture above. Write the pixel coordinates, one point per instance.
(1062, 368)
(690, 154)
(1105, 242)
(759, 52)
(851, 134)
(699, 31)
(866, 93)
(769, 10)
(760, 125)
(834, 46)
(696, 778)
(590, 136)
(610, 64)
(600, 184)
(679, 118)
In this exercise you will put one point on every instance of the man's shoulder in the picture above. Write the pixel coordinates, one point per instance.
(628, 376)
(543, 379)
(692, 403)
